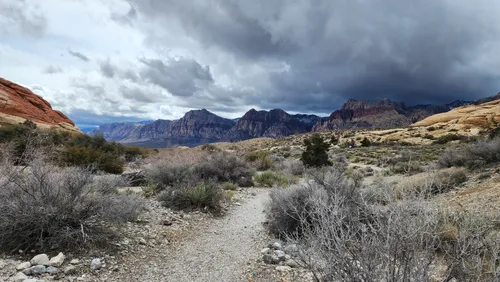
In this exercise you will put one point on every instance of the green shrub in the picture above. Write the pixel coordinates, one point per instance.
(270, 179)
(202, 195)
(365, 142)
(315, 154)
(85, 156)
(229, 186)
(448, 138)
(260, 159)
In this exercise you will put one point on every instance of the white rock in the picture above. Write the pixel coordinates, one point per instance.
(23, 266)
(283, 268)
(70, 269)
(57, 260)
(42, 259)
(280, 254)
(19, 277)
(33, 280)
(75, 261)
(292, 263)
(265, 251)
(96, 264)
(276, 246)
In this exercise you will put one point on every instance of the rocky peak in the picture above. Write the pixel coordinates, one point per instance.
(18, 103)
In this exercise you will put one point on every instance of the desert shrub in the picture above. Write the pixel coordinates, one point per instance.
(229, 186)
(431, 128)
(223, 167)
(428, 184)
(428, 136)
(45, 207)
(448, 138)
(164, 174)
(292, 167)
(291, 210)
(334, 140)
(132, 153)
(260, 160)
(494, 133)
(406, 168)
(87, 156)
(315, 154)
(181, 196)
(270, 179)
(209, 148)
(474, 155)
(346, 236)
(288, 209)
(365, 142)
(470, 247)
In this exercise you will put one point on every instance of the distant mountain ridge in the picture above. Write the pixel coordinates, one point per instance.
(201, 126)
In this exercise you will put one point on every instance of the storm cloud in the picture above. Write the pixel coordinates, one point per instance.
(419, 52)
(151, 59)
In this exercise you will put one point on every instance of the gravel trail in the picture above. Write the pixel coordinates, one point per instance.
(220, 252)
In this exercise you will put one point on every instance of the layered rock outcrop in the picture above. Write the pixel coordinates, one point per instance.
(483, 115)
(379, 114)
(275, 123)
(18, 104)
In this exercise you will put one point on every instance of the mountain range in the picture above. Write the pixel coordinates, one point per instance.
(201, 126)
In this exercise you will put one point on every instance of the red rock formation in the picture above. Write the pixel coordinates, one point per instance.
(20, 102)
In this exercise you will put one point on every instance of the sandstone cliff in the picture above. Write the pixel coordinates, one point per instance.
(18, 104)
(481, 116)
(379, 114)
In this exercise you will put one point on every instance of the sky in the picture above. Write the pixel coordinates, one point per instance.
(103, 61)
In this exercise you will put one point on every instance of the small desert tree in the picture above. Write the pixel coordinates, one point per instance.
(365, 142)
(315, 154)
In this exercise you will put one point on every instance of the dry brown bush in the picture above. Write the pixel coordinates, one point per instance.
(44, 207)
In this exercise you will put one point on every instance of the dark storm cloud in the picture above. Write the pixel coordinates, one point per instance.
(79, 56)
(222, 23)
(19, 15)
(428, 51)
(181, 77)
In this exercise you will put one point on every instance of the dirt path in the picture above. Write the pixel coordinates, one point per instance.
(220, 252)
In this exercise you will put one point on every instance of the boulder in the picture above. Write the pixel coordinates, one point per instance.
(23, 266)
(41, 259)
(57, 260)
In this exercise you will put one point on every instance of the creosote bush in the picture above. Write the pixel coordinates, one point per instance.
(260, 160)
(474, 155)
(345, 236)
(201, 195)
(44, 207)
(191, 183)
(271, 179)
